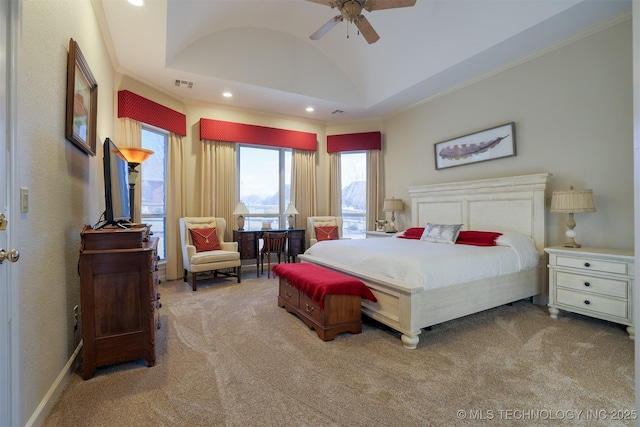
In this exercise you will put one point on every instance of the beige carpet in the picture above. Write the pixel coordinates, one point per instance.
(229, 356)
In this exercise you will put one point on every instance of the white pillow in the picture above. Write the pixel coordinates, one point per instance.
(441, 233)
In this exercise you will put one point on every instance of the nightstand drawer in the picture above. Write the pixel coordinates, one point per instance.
(595, 303)
(592, 264)
(609, 287)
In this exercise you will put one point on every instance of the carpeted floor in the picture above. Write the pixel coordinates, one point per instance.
(227, 355)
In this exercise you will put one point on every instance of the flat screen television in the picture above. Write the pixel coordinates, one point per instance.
(116, 186)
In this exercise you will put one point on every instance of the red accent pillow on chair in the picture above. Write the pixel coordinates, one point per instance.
(205, 239)
(329, 232)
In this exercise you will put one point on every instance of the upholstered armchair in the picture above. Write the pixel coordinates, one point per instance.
(204, 249)
(329, 226)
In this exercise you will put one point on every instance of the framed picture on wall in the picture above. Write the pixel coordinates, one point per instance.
(488, 144)
(82, 101)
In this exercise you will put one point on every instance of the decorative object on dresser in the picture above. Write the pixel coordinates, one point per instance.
(201, 254)
(393, 205)
(324, 300)
(119, 296)
(572, 201)
(241, 210)
(594, 282)
(488, 144)
(381, 225)
(134, 156)
(291, 211)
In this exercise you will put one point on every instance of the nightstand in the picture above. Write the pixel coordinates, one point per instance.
(594, 282)
(370, 234)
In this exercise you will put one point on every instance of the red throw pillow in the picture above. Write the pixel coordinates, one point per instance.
(477, 238)
(327, 233)
(412, 233)
(205, 239)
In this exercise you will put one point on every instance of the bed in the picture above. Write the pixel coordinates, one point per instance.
(511, 205)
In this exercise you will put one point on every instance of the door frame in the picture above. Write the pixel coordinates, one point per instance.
(9, 272)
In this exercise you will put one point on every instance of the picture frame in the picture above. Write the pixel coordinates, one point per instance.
(488, 144)
(82, 101)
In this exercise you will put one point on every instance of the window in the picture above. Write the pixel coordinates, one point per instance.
(353, 171)
(265, 184)
(152, 184)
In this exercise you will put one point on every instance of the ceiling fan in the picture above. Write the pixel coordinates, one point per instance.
(351, 10)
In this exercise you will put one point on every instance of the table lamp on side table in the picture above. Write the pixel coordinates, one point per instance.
(393, 205)
(572, 201)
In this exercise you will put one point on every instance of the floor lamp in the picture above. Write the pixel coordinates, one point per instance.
(134, 156)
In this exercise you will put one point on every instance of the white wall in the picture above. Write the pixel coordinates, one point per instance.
(65, 188)
(573, 113)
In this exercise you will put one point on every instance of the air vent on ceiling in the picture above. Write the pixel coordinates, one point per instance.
(337, 112)
(184, 83)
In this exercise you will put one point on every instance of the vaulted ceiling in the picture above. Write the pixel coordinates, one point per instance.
(260, 51)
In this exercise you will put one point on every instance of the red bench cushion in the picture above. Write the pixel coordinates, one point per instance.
(317, 282)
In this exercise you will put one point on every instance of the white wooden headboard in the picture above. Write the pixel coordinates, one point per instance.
(514, 203)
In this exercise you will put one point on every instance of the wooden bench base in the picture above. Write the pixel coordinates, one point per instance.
(341, 313)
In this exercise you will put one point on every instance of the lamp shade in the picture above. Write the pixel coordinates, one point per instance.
(134, 154)
(241, 209)
(571, 201)
(393, 205)
(291, 210)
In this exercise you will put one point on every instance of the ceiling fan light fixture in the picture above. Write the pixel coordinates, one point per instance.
(351, 9)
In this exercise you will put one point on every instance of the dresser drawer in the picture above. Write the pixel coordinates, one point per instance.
(594, 303)
(600, 285)
(593, 264)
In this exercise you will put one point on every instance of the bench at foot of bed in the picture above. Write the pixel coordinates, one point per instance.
(324, 300)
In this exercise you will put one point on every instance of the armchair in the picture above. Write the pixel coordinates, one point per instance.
(324, 221)
(206, 260)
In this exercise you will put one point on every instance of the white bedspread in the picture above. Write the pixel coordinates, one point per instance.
(431, 264)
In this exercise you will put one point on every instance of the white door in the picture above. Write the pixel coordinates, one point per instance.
(9, 402)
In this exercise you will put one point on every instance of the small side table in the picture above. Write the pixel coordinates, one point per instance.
(594, 282)
(371, 234)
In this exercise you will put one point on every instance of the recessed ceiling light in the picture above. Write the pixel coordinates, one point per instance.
(227, 94)
(309, 109)
(137, 2)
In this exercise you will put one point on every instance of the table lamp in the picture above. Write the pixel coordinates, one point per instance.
(134, 156)
(393, 205)
(291, 211)
(572, 201)
(241, 210)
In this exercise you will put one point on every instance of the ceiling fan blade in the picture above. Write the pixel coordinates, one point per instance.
(331, 3)
(366, 29)
(326, 27)
(372, 5)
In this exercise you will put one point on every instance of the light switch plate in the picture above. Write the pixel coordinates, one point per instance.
(24, 199)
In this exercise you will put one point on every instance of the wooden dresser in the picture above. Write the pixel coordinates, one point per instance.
(119, 296)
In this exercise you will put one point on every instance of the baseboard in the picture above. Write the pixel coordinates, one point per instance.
(43, 409)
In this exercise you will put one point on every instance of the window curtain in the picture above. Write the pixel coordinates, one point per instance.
(131, 136)
(335, 185)
(176, 205)
(375, 197)
(219, 182)
(303, 186)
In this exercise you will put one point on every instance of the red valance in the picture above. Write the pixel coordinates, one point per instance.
(354, 142)
(146, 111)
(218, 130)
